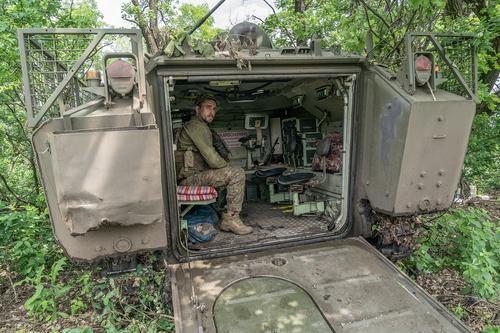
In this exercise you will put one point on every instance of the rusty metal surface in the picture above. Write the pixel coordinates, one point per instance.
(352, 284)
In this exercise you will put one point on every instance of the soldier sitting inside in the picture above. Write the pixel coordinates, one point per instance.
(200, 163)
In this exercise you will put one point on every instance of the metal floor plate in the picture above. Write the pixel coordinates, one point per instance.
(268, 222)
(353, 285)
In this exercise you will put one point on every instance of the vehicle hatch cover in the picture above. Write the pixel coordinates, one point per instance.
(267, 304)
(337, 286)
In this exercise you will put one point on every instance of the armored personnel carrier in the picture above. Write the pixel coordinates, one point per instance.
(325, 139)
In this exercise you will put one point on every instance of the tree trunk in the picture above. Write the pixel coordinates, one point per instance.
(148, 23)
(300, 6)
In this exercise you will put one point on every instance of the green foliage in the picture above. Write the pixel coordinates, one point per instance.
(491, 329)
(186, 18)
(345, 23)
(78, 330)
(337, 22)
(482, 23)
(29, 255)
(45, 302)
(133, 303)
(82, 14)
(26, 242)
(58, 290)
(19, 184)
(482, 162)
(166, 25)
(458, 311)
(467, 241)
(128, 303)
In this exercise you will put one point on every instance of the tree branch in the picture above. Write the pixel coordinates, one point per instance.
(381, 18)
(369, 24)
(289, 35)
(131, 20)
(272, 8)
(396, 47)
(70, 9)
(18, 121)
(31, 157)
(258, 18)
(11, 191)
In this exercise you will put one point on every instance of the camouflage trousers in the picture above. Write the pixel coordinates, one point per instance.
(232, 178)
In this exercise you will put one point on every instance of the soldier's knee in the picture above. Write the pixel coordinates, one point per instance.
(237, 173)
(240, 173)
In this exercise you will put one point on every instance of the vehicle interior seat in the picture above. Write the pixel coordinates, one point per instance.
(307, 178)
(193, 195)
(295, 178)
(270, 172)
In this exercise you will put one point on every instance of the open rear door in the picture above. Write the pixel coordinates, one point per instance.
(95, 141)
(339, 286)
(103, 188)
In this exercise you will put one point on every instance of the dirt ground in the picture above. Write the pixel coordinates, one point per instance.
(446, 285)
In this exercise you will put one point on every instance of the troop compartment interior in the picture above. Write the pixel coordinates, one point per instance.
(317, 107)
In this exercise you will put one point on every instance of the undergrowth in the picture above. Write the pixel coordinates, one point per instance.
(468, 241)
(482, 162)
(465, 241)
(26, 242)
(30, 257)
(133, 302)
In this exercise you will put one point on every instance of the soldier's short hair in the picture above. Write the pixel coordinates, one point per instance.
(205, 97)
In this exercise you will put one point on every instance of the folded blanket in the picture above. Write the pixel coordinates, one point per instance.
(196, 193)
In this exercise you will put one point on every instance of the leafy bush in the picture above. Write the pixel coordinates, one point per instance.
(133, 302)
(492, 329)
(45, 302)
(482, 162)
(26, 241)
(127, 303)
(467, 241)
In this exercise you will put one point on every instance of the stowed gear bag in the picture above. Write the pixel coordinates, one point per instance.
(201, 221)
(334, 157)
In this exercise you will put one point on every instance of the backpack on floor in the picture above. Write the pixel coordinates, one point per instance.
(201, 222)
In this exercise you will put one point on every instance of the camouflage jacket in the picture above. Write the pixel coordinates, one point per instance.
(196, 136)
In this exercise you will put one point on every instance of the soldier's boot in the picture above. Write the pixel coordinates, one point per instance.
(234, 224)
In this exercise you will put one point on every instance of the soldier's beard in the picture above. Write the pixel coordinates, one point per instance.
(206, 118)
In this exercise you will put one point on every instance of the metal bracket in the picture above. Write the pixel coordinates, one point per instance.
(118, 265)
(47, 53)
(409, 65)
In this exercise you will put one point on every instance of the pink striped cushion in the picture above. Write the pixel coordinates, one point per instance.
(196, 193)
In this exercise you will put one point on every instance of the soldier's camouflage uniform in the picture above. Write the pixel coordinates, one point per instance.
(199, 163)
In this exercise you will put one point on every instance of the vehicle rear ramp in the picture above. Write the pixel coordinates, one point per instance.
(339, 286)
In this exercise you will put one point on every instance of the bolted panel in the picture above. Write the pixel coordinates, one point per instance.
(436, 143)
(414, 147)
